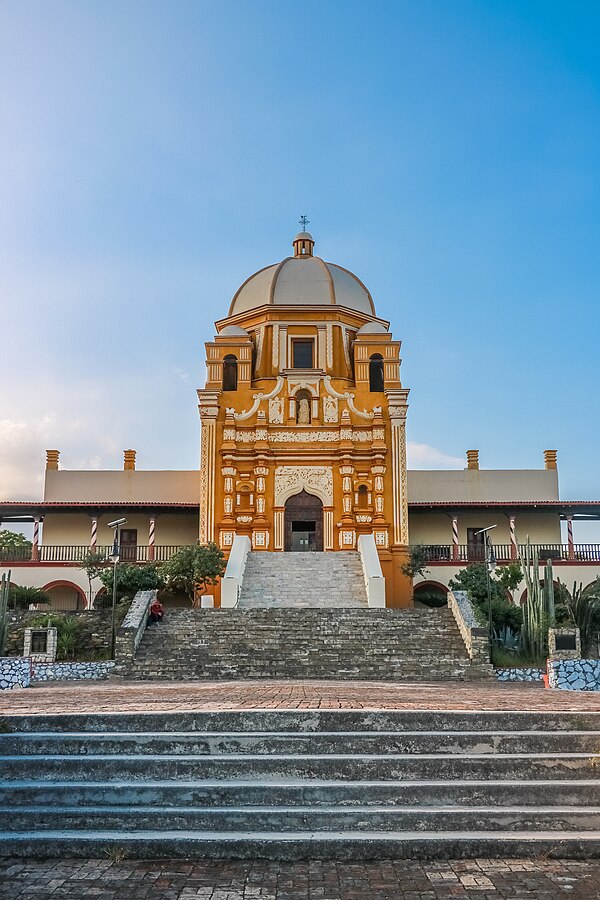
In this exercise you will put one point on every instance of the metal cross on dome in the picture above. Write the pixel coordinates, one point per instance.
(304, 222)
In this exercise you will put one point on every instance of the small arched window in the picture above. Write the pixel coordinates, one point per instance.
(376, 382)
(230, 373)
(363, 496)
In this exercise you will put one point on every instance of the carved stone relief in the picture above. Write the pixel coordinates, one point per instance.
(291, 480)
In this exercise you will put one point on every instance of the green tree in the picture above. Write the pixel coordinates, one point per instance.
(14, 545)
(416, 564)
(509, 576)
(192, 569)
(93, 564)
(474, 580)
(130, 580)
(21, 596)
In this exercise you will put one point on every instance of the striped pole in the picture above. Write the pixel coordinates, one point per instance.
(455, 551)
(151, 531)
(570, 540)
(94, 534)
(514, 548)
(35, 545)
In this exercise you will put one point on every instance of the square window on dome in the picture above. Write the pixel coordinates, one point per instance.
(302, 354)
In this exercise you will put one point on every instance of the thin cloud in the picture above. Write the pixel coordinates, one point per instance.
(424, 456)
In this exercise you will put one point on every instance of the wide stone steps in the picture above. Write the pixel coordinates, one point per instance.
(301, 784)
(384, 644)
(303, 581)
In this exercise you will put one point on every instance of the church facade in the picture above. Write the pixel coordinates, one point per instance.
(304, 418)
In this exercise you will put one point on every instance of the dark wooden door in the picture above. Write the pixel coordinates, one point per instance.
(475, 544)
(304, 523)
(128, 539)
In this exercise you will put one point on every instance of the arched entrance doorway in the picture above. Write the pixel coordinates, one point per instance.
(304, 523)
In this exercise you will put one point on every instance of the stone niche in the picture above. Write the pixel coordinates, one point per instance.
(40, 644)
(564, 643)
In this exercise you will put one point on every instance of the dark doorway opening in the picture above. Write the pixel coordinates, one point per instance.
(304, 523)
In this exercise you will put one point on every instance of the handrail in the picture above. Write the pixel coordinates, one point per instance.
(374, 580)
(476, 639)
(469, 553)
(131, 631)
(231, 582)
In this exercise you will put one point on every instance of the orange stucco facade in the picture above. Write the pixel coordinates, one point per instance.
(325, 420)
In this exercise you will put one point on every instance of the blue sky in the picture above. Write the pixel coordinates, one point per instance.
(154, 154)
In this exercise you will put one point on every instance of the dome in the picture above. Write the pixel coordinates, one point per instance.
(303, 280)
(233, 331)
(372, 328)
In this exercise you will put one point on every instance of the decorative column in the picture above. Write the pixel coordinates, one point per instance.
(279, 515)
(209, 410)
(260, 526)
(35, 544)
(398, 407)
(151, 531)
(514, 547)
(570, 537)
(328, 528)
(94, 534)
(455, 546)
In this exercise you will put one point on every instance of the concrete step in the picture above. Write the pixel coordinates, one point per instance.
(235, 793)
(301, 818)
(307, 721)
(348, 845)
(278, 743)
(279, 766)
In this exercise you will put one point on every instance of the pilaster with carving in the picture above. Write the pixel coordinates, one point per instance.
(398, 408)
(208, 406)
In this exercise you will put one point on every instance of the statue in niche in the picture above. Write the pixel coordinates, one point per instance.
(330, 409)
(276, 411)
(303, 408)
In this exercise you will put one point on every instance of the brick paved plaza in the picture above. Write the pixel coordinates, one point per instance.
(313, 880)
(197, 696)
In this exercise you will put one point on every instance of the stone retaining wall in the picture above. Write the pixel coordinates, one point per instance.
(73, 671)
(574, 674)
(524, 673)
(14, 672)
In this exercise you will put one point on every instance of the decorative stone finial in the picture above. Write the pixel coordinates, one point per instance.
(472, 459)
(129, 460)
(52, 459)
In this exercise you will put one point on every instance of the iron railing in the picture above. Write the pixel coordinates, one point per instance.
(75, 553)
(466, 553)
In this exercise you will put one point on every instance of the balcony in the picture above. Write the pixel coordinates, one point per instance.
(74, 554)
(449, 554)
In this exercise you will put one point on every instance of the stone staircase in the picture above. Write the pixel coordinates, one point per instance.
(301, 784)
(303, 580)
(368, 644)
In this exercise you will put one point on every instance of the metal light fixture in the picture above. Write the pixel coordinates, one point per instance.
(114, 557)
(490, 566)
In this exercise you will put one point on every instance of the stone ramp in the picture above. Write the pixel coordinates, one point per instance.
(364, 644)
(301, 784)
(303, 581)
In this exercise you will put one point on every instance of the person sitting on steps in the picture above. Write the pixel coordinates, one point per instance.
(157, 612)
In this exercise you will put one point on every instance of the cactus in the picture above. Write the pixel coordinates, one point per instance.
(4, 590)
(539, 608)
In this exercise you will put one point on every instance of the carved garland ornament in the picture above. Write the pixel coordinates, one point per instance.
(349, 398)
(291, 480)
(258, 398)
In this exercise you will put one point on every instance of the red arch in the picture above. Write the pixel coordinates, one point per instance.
(69, 584)
(431, 584)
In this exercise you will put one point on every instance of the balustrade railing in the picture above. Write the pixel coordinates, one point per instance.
(75, 553)
(467, 553)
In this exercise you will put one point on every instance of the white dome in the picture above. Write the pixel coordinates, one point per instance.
(372, 328)
(303, 280)
(233, 331)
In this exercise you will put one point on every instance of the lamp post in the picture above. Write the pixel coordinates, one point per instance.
(490, 566)
(114, 558)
